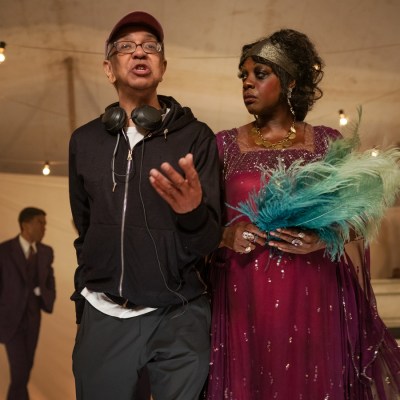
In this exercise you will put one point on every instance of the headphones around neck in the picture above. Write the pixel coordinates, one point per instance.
(146, 117)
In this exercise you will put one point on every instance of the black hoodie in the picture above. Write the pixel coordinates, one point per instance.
(131, 243)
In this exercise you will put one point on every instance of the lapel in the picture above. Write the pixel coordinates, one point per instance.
(19, 258)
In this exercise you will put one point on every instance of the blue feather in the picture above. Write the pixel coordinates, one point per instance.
(346, 190)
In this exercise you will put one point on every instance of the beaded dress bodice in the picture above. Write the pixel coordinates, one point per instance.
(241, 169)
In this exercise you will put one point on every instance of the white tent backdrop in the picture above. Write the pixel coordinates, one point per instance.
(52, 377)
(53, 80)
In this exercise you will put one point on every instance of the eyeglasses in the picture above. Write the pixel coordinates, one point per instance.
(127, 47)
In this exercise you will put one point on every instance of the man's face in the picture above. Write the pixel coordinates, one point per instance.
(34, 230)
(138, 71)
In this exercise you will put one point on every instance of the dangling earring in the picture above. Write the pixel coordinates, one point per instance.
(292, 131)
(289, 96)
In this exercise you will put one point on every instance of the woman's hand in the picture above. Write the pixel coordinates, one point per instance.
(296, 241)
(242, 237)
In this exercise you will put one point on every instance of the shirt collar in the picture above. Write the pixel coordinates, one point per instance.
(25, 245)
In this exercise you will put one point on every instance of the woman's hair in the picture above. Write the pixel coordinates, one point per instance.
(304, 58)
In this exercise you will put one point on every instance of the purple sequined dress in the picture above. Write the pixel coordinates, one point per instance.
(292, 327)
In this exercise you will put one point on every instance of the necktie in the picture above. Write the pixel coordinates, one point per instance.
(31, 254)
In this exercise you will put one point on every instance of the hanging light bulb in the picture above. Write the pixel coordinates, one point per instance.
(2, 55)
(374, 152)
(46, 168)
(342, 118)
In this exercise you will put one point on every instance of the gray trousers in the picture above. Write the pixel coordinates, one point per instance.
(172, 342)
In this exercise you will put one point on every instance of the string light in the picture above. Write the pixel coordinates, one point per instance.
(2, 55)
(342, 118)
(46, 168)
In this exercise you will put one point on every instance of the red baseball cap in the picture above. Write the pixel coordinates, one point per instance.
(138, 18)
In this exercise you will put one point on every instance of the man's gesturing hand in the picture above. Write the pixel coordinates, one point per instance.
(182, 193)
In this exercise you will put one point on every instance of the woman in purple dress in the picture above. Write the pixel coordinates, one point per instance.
(288, 323)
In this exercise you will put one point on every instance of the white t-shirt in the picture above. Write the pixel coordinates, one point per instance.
(105, 305)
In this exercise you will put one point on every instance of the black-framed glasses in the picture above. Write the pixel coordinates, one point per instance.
(128, 47)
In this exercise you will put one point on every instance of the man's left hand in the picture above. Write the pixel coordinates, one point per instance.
(182, 193)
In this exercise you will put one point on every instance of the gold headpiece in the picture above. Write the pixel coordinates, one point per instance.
(273, 53)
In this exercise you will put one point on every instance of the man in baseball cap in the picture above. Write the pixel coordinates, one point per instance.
(144, 193)
(138, 18)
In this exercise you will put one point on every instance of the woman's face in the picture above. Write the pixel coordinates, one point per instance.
(261, 87)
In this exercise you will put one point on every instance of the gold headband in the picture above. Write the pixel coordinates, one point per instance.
(272, 53)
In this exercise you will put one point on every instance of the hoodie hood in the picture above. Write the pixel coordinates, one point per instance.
(177, 117)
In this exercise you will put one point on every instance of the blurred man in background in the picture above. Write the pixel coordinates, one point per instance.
(27, 286)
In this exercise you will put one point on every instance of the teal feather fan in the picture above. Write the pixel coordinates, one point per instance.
(346, 190)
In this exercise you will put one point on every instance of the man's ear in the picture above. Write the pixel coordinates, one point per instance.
(109, 71)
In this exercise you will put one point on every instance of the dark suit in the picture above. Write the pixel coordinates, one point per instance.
(20, 308)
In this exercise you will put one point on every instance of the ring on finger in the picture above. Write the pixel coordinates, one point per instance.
(297, 242)
(247, 249)
(301, 235)
(248, 236)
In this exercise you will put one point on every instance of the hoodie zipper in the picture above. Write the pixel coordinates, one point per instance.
(128, 167)
(122, 236)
